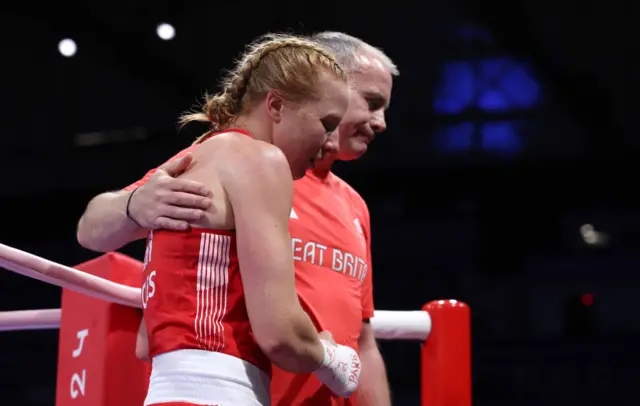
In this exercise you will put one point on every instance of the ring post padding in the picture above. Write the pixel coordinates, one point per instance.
(446, 355)
(96, 358)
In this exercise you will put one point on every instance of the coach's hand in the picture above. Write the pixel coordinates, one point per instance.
(170, 203)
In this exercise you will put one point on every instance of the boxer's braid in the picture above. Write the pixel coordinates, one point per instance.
(284, 64)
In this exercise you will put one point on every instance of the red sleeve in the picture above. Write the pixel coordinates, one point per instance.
(142, 181)
(367, 284)
(146, 177)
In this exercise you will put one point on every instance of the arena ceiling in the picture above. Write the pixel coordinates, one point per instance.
(126, 85)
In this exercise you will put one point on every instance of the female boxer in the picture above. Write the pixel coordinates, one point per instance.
(219, 299)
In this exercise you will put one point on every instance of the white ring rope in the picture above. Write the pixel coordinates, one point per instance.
(56, 274)
(387, 325)
(45, 319)
(401, 325)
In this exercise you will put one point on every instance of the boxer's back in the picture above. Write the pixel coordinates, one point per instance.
(216, 153)
(200, 337)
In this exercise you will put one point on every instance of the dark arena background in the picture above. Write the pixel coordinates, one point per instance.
(506, 178)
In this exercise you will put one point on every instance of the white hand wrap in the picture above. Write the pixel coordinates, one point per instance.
(340, 370)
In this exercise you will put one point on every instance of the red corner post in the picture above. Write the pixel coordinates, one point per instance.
(446, 355)
(96, 355)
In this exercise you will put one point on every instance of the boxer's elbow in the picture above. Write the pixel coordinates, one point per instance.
(142, 343)
(142, 353)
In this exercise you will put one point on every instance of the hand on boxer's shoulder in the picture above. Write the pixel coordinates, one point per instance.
(170, 203)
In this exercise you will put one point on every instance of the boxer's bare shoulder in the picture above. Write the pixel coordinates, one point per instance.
(237, 153)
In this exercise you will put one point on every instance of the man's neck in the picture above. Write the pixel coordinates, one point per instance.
(322, 168)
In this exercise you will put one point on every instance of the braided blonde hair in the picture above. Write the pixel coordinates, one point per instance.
(290, 66)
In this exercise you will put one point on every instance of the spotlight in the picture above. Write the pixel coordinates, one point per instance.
(166, 31)
(67, 47)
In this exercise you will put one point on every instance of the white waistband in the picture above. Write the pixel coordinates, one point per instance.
(206, 378)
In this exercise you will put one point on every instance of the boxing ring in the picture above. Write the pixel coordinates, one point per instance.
(99, 319)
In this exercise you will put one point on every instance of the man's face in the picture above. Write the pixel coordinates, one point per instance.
(369, 100)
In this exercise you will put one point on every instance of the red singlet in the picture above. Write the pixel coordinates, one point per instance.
(200, 339)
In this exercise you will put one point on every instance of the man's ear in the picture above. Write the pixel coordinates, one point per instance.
(274, 105)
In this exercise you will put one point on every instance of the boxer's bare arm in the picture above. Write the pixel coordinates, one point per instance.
(259, 186)
(162, 201)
